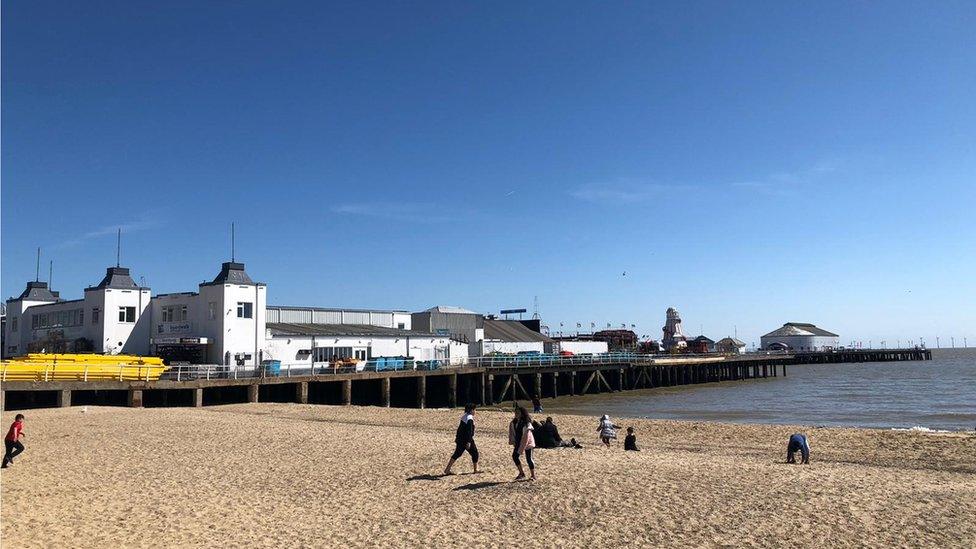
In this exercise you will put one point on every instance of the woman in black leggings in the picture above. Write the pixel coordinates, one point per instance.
(520, 436)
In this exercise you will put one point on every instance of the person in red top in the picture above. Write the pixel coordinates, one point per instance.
(12, 441)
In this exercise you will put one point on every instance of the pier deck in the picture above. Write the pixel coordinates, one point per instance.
(486, 383)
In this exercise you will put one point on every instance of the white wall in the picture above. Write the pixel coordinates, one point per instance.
(121, 337)
(20, 310)
(489, 346)
(286, 348)
(578, 347)
(245, 336)
(803, 343)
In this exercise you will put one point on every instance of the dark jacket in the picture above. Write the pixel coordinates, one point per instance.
(630, 443)
(465, 430)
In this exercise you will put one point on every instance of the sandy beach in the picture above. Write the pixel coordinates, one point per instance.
(299, 475)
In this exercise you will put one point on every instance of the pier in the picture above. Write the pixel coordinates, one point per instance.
(483, 382)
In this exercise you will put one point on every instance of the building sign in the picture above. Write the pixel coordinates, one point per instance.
(175, 328)
(179, 341)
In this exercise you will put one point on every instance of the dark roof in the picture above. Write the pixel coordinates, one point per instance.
(511, 330)
(231, 273)
(731, 341)
(799, 329)
(702, 338)
(116, 278)
(336, 330)
(38, 291)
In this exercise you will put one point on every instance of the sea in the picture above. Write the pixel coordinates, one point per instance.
(938, 395)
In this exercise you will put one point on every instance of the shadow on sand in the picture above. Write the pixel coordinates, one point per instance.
(478, 485)
(426, 477)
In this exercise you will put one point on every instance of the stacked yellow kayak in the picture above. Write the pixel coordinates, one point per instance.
(81, 367)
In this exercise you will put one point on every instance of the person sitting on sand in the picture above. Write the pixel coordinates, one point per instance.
(798, 443)
(630, 441)
(608, 431)
(464, 440)
(12, 441)
(520, 436)
(547, 436)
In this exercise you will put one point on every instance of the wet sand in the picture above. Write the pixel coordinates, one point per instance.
(298, 475)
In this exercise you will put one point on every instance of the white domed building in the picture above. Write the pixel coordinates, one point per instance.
(800, 336)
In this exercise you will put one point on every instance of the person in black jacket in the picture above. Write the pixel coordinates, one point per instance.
(630, 442)
(464, 440)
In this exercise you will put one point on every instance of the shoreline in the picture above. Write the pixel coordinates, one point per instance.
(568, 411)
(293, 474)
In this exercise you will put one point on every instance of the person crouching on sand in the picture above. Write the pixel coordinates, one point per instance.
(464, 440)
(520, 436)
(12, 441)
(607, 430)
(630, 441)
(798, 443)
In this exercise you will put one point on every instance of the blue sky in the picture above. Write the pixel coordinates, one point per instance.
(749, 164)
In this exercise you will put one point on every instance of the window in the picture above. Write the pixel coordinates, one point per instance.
(95, 315)
(212, 310)
(400, 326)
(13, 324)
(245, 309)
(327, 354)
(167, 314)
(56, 319)
(183, 312)
(127, 314)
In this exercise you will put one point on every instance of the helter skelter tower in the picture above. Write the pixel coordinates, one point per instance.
(673, 338)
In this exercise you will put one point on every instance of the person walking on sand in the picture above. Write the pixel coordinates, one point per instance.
(521, 438)
(536, 404)
(13, 446)
(607, 430)
(464, 440)
(798, 443)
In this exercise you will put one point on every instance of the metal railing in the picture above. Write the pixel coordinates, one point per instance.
(190, 372)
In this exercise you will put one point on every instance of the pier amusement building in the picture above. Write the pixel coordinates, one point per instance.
(800, 336)
(227, 321)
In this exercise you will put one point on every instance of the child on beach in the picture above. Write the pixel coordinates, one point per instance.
(630, 441)
(12, 441)
(798, 443)
(520, 436)
(464, 440)
(607, 430)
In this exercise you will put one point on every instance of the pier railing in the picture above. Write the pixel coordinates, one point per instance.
(383, 364)
(212, 371)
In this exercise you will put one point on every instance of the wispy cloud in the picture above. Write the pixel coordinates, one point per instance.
(789, 183)
(626, 192)
(142, 224)
(417, 212)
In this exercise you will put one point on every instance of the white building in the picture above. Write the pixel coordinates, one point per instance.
(109, 319)
(578, 347)
(224, 322)
(400, 320)
(306, 345)
(800, 336)
(511, 337)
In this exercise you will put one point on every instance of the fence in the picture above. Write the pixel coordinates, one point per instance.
(382, 364)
